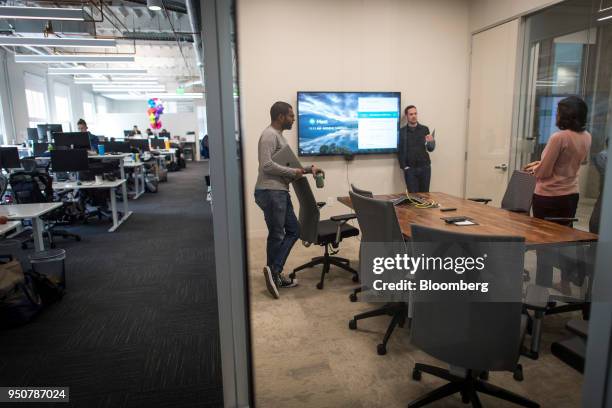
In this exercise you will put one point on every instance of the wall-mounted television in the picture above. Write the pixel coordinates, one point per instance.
(339, 123)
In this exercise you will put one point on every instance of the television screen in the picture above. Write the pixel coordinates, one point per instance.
(336, 123)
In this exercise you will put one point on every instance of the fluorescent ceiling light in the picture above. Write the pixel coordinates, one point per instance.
(55, 59)
(154, 5)
(147, 96)
(130, 88)
(605, 18)
(56, 42)
(42, 13)
(100, 81)
(109, 71)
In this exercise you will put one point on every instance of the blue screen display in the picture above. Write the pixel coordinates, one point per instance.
(336, 123)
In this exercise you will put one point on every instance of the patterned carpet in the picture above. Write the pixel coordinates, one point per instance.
(138, 326)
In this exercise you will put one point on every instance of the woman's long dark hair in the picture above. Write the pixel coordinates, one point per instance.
(572, 114)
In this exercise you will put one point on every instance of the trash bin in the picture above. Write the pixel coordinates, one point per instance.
(52, 264)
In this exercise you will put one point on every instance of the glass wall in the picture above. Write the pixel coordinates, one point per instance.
(568, 51)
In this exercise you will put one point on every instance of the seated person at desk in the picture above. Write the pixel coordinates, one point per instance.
(136, 131)
(149, 133)
(93, 140)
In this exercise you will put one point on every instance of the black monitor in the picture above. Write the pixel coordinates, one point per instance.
(158, 143)
(165, 134)
(40, 149)
(127, 133)
(140, 144)
(72, 140)
(117, 147)
(9, 158)
(69, 160)
(52, 128)
(33, 134)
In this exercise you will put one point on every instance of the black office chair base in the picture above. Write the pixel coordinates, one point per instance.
(468, 387)
(326, 260)
(398, 313)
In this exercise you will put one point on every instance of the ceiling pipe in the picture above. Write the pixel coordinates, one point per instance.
(193, 12)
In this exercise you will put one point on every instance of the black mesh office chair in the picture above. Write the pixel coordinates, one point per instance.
(378, 224)
(369, 194)
(519, 193)
(326, 233)
(473, 332)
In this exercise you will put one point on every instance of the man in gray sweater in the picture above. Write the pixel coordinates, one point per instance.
(272, 196)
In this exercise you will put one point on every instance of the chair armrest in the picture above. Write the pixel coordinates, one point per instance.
(481, 200)
(562, 219)
(343, 217)
(320, 204)
(518, 210)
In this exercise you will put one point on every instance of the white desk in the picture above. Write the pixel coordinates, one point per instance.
(9, 226)
(139, 178)
(120, 157)
(30, 212)
(167, 152)
(112, 186)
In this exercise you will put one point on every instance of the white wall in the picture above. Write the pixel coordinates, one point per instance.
(418, 47)
(113, 124)
(485, 13)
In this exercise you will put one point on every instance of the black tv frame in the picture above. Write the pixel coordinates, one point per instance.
(370, 152)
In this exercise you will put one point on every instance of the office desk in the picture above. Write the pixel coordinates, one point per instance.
(491, 220)
(112, 186)
(139, 178)
(31, 212)
(9, 226)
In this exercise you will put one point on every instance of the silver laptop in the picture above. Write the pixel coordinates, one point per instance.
(286, 157)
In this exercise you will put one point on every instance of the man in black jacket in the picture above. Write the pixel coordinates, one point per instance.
(414, 146)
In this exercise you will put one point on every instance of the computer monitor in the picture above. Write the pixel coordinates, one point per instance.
(140, 144)
(69, 160)
(32, 134)
(9, 158)
(40, 149)
(72, 140)
(127, 133)
(157, 143)
(117, 147)
(47, 127)
(165, 134)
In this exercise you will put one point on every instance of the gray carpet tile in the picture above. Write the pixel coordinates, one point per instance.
(138, 326)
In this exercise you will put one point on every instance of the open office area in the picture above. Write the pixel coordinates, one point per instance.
(323, 203)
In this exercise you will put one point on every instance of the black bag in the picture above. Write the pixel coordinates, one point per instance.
(19, 301)
(49, 291)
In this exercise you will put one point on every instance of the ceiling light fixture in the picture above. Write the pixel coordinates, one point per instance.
(41, 13)
(154, 5)
(56, 42)
(57, 59)
(85, 71)
(103, 81)
(605, 18)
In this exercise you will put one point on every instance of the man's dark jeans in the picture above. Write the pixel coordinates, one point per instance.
(417, 179)
(283, 226)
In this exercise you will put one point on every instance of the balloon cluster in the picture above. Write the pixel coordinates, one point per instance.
(154, 112)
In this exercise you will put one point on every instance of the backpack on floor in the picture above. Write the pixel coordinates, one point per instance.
(19, 301)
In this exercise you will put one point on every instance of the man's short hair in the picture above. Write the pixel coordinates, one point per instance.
(408, 108)
(279, 108)
(572, 114)
(81, 122)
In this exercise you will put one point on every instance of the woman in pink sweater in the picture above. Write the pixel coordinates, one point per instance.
(556, 192)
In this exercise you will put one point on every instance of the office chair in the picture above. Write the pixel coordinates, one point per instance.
(473, 332)
(519, 193)
(378, 224)
(326, 233)
(572, 351)
(369, 194)
(3, 186)
(36, 187)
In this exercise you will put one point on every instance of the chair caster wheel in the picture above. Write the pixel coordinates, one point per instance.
(484, 376)
(353, 297)
(353, 324)
(292, 275)
(381, 349)
(319, 286)
(416, 375)
(355, 278)
(518, 373)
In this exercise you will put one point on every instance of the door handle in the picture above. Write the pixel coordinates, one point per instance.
(502, 167)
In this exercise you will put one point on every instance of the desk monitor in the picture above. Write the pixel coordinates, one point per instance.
(286, 157)
(47, 127)
(69, 160)
(9, 158)
(117, 147)
(72, 140)
(33, 134)
(40, 149)
(127, 133)
(165, 134)
(157, 143)
(140, 144)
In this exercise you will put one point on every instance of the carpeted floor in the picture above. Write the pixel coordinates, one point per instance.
(138, 326)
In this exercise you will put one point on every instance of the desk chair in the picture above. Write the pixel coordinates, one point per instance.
(519, 193)
(363, 193)
(3, 186)
(378, 223)
(326, 233)
(472, 332)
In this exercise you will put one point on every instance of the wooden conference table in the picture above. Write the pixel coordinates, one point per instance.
(491, 220)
